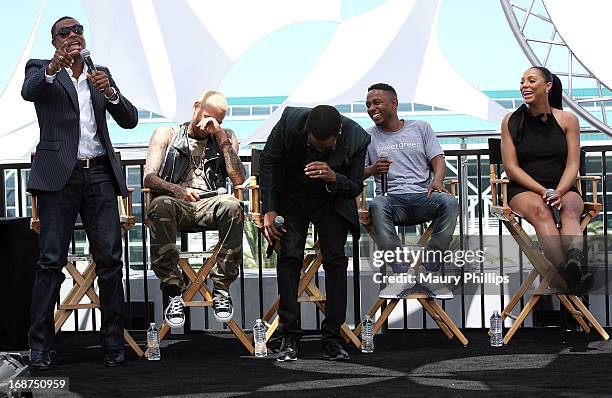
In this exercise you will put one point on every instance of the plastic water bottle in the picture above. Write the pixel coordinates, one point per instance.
(259, 338)
(153, 343)
(496, 330)
(367, 335)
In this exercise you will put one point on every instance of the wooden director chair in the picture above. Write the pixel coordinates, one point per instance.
(307, 289)
(198, 278)
(83, 282)
(435, 311)
(541, 265)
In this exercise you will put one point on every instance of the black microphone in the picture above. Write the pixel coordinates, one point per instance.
(383, 176)
(279, 221)
(203, 193)
(555, 210)
(86, 56)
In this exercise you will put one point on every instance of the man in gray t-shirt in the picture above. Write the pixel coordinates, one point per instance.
(415, 170)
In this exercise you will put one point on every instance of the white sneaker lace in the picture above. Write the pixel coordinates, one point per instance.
(175, 307)
(222, 302)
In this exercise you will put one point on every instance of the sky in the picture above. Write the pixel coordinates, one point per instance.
(473, 35)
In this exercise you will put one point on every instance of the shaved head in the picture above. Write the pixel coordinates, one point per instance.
(214, 98)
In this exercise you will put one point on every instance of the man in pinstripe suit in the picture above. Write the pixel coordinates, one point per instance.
(75, 171)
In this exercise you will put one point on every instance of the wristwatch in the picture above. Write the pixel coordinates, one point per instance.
(112, 95)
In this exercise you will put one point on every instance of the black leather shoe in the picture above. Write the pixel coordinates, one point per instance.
(334, 351)
(571, 274)
(114, 357)
(41, 360)
(288, 350)
(586, 284)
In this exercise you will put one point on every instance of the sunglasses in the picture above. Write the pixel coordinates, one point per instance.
(65, 31)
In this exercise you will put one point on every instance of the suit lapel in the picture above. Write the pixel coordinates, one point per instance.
(66, 81)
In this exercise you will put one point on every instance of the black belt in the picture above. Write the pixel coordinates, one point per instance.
(87, 163)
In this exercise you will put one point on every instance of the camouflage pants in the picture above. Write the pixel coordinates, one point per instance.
(167, 215)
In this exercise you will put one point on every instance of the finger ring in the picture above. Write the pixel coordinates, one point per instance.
(61, 58)
(320, 172)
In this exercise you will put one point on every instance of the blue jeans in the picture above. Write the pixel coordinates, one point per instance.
(412, 209)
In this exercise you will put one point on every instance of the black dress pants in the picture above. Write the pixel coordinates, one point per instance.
(332, 231)
(90, 192)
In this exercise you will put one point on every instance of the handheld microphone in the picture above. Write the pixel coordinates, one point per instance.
(203, 193)
(279, 221)
(86, 55)
(555, 210)
(383, 176)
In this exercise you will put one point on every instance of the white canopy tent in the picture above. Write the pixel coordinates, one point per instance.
(164, 53)
(19, 132)
(404, 51)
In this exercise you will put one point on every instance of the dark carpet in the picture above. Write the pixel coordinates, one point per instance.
(412, 363)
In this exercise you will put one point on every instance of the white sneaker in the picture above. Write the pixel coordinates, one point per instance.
(175, 312)
(222, 305)
(399, 289)
(439, 290)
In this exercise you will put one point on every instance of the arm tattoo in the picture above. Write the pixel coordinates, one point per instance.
(235, 168)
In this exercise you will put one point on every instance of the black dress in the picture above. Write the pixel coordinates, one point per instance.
(541, 149)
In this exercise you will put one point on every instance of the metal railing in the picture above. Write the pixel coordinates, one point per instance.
(255, 289)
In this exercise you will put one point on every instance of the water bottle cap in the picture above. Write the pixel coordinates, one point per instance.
(152, 324)
(258, 321)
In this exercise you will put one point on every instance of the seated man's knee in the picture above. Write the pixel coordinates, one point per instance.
(379, 206)
(164, 255)
(161, 209)
(449, 204)
(232, 209)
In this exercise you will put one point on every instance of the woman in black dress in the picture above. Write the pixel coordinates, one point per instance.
(540, 152)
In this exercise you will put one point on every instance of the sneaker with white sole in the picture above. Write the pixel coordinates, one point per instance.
(438, 290)
(222, 305)
(175, 312)
(399, 289)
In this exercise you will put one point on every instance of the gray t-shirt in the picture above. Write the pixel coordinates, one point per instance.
(411, 149)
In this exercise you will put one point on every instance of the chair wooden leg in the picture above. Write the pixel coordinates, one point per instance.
(197, 285)
(244, 339)
(589, 316)
(578, 316)
(371, 312)
(81, 279)
(448, 321)
(437, 319)
(308, 259)
(128, 338)
(313, 291)
(516, 297)
(272, 310)
(348, 333)
(310, 267)
(84, 286)
(75, 295)
(163, 331)
(272, 328)
(385, 314)
(519, 320)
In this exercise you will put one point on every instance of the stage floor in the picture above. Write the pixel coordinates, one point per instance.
(411, 363)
